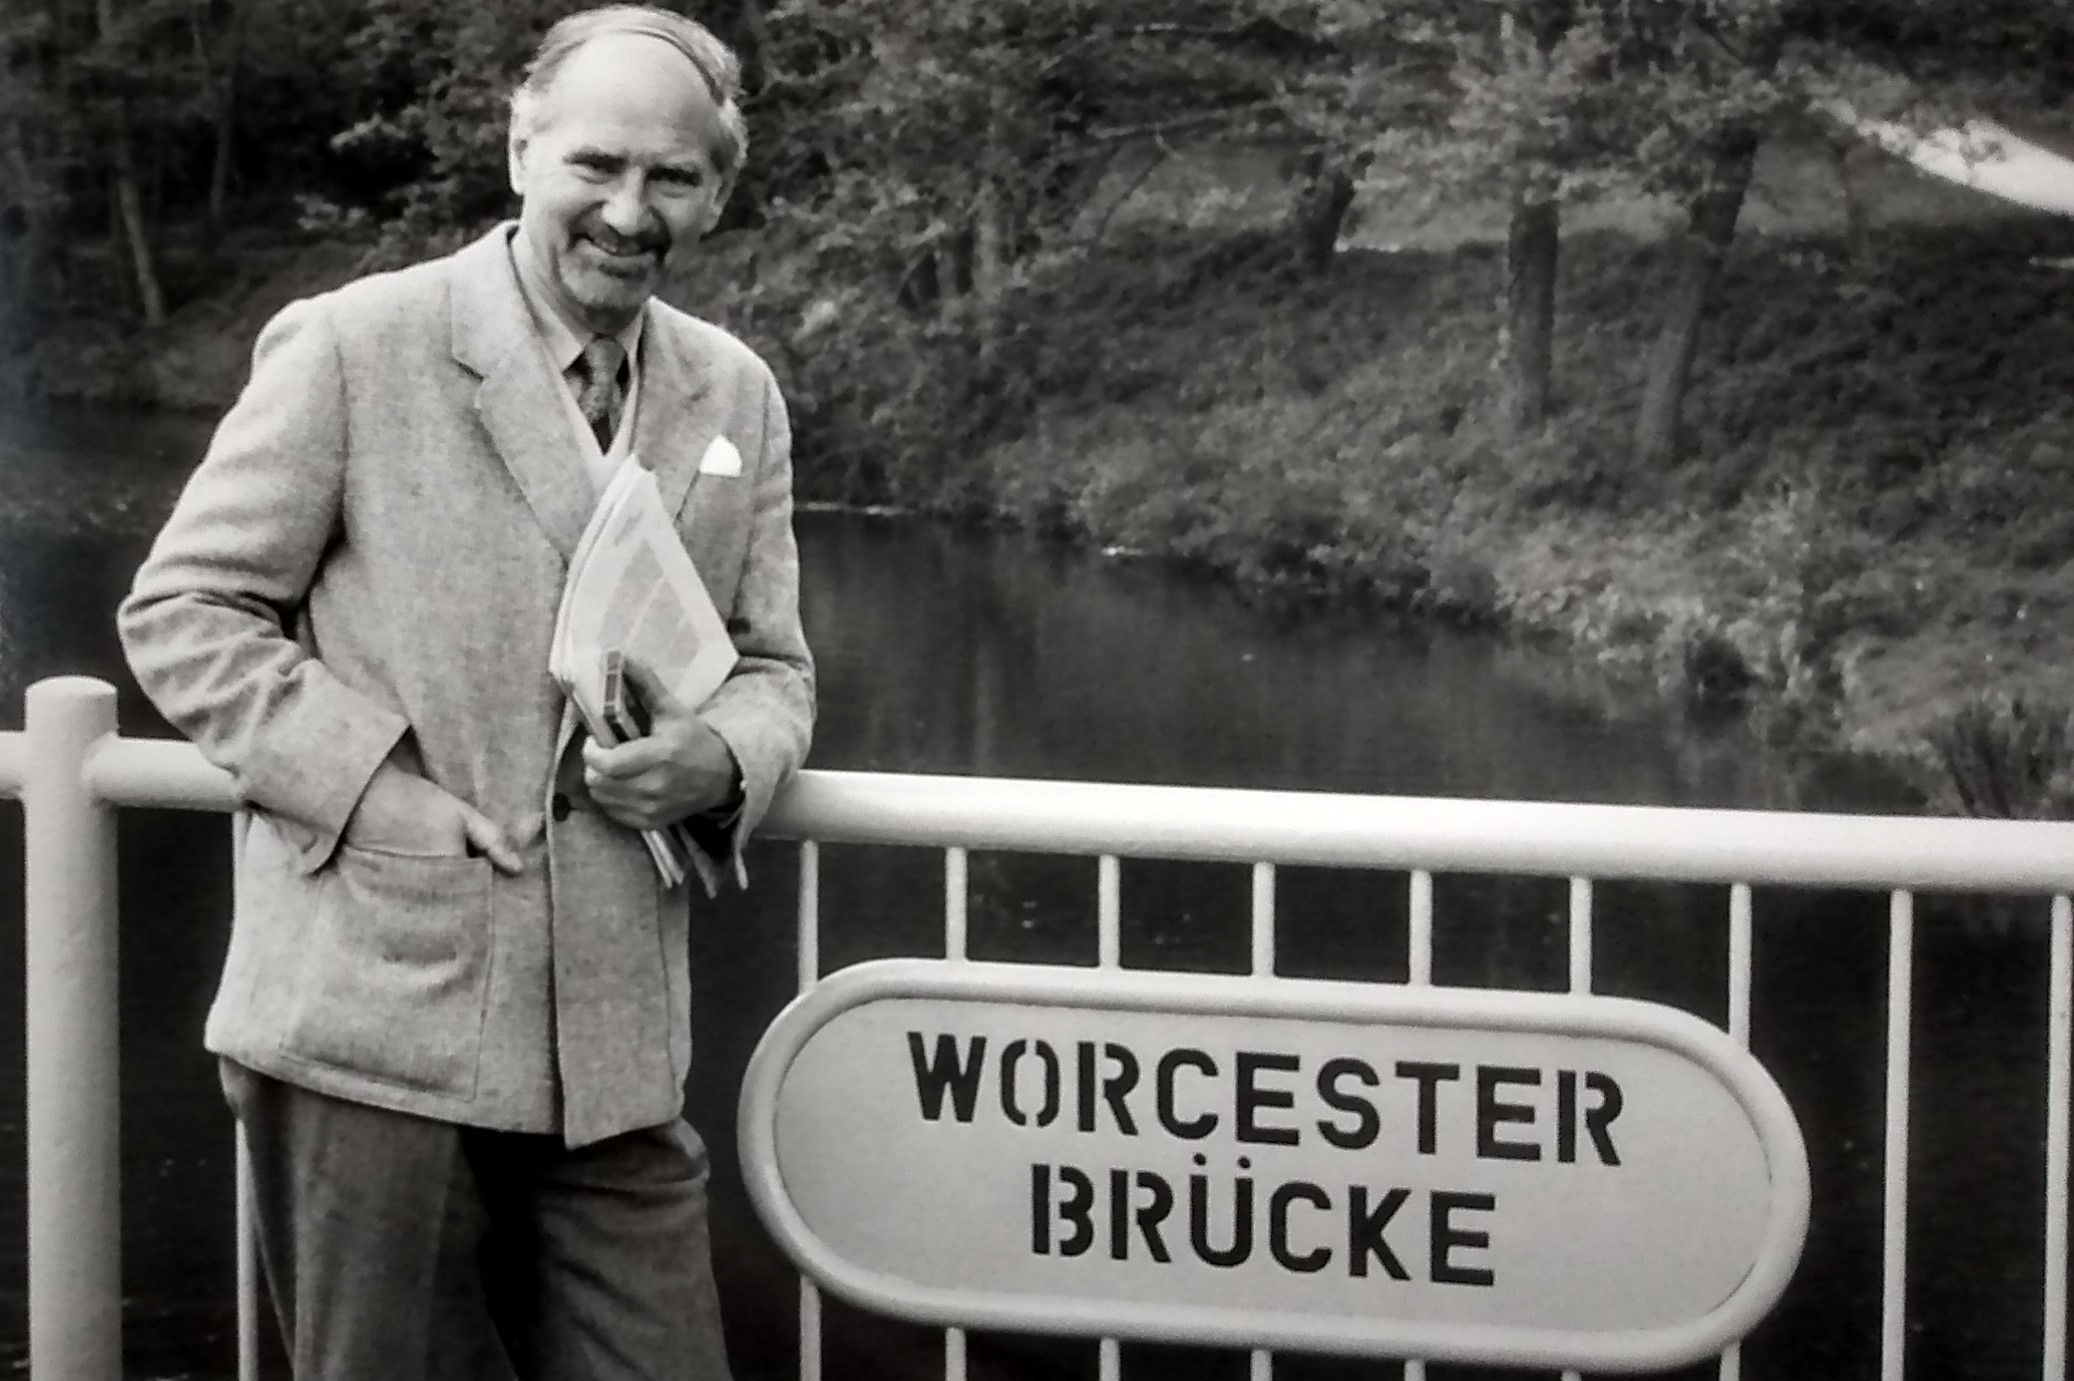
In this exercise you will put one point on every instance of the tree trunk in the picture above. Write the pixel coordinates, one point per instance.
(53, 149)
(223, 99)
(952, 256)
(989, 264)
(1710, 229)
(124, 195)
(1321, 209)
(220, 163)
(1533, 242)
(993, 245)
(23, 200)
(15, 285)
(1528, 346)
(129, 210)
(753, 41)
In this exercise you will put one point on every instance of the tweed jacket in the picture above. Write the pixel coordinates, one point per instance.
(370, 557)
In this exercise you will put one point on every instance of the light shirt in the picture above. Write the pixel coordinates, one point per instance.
(562, 341)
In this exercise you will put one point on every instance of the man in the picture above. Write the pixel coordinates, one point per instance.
(454, 981)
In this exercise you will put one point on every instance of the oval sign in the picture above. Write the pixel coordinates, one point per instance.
(1457, 1174)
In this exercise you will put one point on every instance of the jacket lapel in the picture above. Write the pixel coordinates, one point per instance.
(672, 429)
(494, 338)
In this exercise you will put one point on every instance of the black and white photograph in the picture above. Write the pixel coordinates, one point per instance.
(1036, 690)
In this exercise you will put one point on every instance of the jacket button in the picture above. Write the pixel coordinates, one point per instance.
(559, 807)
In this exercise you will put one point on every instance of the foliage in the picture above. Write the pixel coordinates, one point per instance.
(921, 251)
(2006, 756)
(921, 245)
(926, 162)
(1307, 439)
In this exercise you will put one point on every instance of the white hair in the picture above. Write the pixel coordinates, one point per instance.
(716, 63)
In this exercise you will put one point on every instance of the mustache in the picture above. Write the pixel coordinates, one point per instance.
(653, 239)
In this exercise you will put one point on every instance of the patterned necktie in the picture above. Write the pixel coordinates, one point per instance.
(597, 392)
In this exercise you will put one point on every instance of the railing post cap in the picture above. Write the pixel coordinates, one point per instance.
(61, 690)
(73, 709)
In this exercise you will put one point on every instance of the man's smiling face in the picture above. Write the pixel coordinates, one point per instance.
(614, 165)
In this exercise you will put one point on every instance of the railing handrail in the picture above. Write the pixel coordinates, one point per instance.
(1300, 828)
(1436, 834)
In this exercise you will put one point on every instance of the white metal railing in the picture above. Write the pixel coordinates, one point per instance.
(73, 773)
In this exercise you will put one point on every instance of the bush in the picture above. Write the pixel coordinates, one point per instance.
(2005, 756)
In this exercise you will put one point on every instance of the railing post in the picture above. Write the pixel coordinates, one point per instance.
(75, 1263)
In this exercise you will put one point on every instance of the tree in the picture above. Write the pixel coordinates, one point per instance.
(1710, 81)
(216, 59)
(124, 189)
(1526, 110)
(1529, 35)
(1710, 222)
(1370, 77)
(30, 191)
(120, 113)
(953, 153)
(1707, 102)
(1528, 96)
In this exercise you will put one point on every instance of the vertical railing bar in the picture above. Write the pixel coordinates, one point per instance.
(248, 1258)
(809, 939)
(809, 974)
(809, 1331)
(1263, 920)
(73, 1099)
(956, 907)
(247, 1225)
(2058, 1056)
(1741, 954)
(1261, 1364)
(1580, 935)
(955, 872)
(1109, 912)
(1580, 966)
(1419, 966)
(1109, 944)
(1894, 1166)
(1421, 926)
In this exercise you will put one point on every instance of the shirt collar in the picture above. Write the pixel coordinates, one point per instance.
(563, 339)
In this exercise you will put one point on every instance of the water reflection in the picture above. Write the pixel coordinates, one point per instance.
(1016, 659)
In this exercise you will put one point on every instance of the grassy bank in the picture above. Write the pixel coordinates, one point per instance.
(1867, 543)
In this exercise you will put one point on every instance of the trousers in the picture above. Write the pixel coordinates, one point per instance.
(399, 1248)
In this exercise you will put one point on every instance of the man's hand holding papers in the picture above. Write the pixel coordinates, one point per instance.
(632, 589)
(679, 768)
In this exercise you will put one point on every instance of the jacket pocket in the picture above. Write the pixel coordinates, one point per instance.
(394, 982)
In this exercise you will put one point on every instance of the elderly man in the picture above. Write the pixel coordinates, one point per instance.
(454, 979)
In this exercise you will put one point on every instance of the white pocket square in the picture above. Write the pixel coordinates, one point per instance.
(721, 458)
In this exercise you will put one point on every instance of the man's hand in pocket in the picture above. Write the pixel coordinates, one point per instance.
(403, 813)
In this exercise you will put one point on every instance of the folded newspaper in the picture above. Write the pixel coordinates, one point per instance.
(633, 590)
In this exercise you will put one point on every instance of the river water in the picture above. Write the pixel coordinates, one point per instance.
(957, 653)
